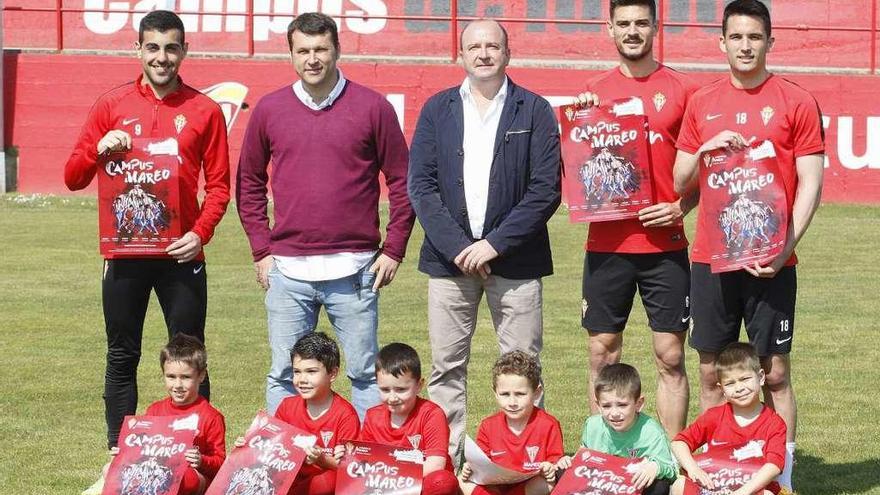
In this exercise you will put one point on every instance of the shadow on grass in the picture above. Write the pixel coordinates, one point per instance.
(833, 479)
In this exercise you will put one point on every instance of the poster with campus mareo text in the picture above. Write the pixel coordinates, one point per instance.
(151, 455)
(595, 473)
(606, 161)
(376, 469)
(744, 211)
(729, 468)
(139, 199)
(267, 463)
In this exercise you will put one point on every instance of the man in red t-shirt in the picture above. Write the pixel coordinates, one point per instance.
(752, 106)
(648, 253)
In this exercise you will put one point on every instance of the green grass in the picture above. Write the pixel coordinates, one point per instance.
(52, 344)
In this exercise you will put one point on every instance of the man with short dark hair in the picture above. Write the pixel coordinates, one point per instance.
(484, 181)
(328, 138)
(157, 105)
(648, 253)
(751, 106)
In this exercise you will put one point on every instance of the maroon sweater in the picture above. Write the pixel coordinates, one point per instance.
(325, 175)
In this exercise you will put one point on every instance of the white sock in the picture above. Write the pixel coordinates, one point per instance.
(784, 479)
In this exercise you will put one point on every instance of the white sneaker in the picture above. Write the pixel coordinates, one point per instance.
(96, 488)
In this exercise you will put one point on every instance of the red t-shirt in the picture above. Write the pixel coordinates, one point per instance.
(664, 94)
(337, 424)
(425, 429)
(717, 427)
(777, 110)
(540, 441)
(211, 437)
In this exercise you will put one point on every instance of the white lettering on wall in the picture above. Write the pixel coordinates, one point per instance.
(365, 24)
(826, 123)
(108, 21)
(397, 101)
(845, 151)
(271, 17)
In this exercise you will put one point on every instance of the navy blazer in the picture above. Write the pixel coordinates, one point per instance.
(524, 185)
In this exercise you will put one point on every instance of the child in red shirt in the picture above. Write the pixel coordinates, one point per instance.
(317, 409)
(184, 365)
(520, 436)
(742, 419)
(404, 419)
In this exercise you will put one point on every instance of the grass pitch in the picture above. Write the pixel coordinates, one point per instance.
(52, 344)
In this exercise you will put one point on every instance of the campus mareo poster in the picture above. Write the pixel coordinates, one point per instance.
(151, 455)
(376, 469)
(139, 199)
(729, 468)
(607, 164)
(595, 473)
(746, 214)
(267, 463)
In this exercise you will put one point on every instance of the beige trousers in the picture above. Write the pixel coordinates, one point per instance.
(516, 308)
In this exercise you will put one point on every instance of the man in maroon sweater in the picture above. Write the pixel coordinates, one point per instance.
(328, 139)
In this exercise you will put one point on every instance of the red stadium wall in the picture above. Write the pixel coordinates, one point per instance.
(48, 96)
(818, 33)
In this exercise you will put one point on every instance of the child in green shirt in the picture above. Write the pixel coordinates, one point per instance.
(621, 430)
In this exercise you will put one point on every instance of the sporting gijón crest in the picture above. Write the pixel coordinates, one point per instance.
(326, 436)
(415, 441)
(532, 454)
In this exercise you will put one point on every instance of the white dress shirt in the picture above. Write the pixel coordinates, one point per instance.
(317, 267)
(479, 149)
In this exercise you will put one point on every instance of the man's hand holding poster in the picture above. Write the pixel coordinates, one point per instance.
(139, 199)
(728, 468)
(376, 469)
(151, 455)
(746, 208)
(607, 162)
(595, 473)
(267, 463)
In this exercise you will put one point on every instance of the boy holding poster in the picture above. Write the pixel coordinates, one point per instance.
(318, 410)
(622, 430)
(404, 419)
(184, 365)
(520, 436)
(741, 420)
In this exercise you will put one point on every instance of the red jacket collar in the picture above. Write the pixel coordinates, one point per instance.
(147, 92)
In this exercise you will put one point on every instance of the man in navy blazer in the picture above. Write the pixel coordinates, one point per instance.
(484, 179)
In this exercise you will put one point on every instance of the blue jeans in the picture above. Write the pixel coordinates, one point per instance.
(352, 308)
